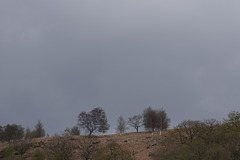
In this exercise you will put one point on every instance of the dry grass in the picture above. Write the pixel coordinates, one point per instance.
(141, 144)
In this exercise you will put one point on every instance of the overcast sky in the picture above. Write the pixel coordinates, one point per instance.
(58, 58)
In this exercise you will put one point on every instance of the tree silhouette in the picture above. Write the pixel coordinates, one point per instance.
(135, 121)
(155, 119)
(94, 121)
(121, 128)
(13, 132)
(39, 130)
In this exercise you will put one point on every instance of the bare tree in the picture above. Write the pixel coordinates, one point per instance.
(39, 130)
(150, 119)
(71, 131)
(121, 128)
(233, 119)
(113, 151)
(155, 119)
(22, 146)
(29, 134)
(66, 132)
(162, 119)
(75, 130)
(188, 130)
(104, 126)
(61, 148)
(135, 121)
(94, 121)
(1, 133)
(211, 123)
(13, 132)
(88, 147)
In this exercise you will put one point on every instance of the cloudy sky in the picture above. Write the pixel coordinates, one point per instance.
(58, 58)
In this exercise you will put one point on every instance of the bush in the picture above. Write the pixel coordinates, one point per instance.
(205, 140)
(113, 151)
(22, 146)
(88, 146)
(9, 152)
(38, 155)
(12, 133)
(61, 149)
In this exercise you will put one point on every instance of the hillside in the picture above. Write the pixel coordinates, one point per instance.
(141, 145)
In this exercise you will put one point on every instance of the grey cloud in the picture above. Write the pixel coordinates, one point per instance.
(58, 58)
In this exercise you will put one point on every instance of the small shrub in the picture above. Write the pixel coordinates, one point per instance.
(9, 153)
(113, 151)
(38, 155)
(61, 149)
(88, 146)
(22, 146)
(58, 156)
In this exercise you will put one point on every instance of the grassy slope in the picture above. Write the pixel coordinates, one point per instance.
(142, 144)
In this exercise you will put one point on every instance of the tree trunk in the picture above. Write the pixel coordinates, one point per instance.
(90, 133)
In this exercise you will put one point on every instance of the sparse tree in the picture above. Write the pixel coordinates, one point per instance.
(211, 123)
(113, 151)
(135, 121)
(88, 147)
(94, 121)
(150, 119)
(39, 130)
(121, 128)
(104, 126)
(187, 131)
(155, 119)
(29, 134)
(1, 134)
(162, 119)
(71, 131)
(67, 132)
(234, 119)
(75, 130)
(22, 146)
(202, 140)
(61, 148)
(13, 132)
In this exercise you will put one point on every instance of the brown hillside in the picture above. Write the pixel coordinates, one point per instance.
(142, 144)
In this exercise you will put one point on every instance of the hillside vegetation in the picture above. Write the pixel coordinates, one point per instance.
(189, 140)
(139, 146)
